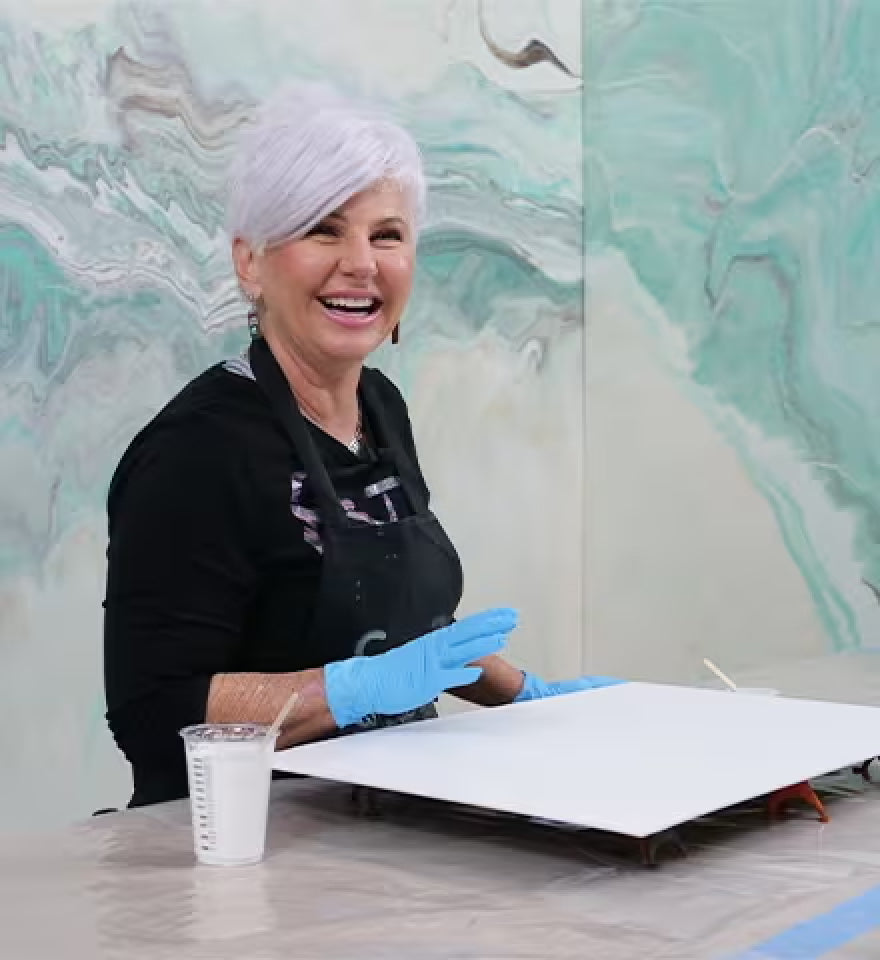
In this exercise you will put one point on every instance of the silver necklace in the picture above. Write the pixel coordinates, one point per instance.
(354, 445)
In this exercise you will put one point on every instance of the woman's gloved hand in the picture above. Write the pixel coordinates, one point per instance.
(416, 672)
(534, 688)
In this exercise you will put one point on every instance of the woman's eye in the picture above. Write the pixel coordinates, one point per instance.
(323, 230)
(390, 234)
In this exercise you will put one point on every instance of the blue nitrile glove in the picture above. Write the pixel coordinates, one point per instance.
(417, 672)
(534, 688)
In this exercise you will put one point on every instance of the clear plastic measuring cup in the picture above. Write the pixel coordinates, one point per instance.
(229, 768)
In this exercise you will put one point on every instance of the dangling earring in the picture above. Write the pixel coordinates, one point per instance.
(253, 316)
(395, 334)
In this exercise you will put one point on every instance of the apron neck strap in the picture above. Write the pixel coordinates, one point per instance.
(271, 380)
(407, 471)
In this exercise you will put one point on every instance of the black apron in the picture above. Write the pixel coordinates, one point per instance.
(380, 586)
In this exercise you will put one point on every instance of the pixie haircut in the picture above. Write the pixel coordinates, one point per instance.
(307, 153)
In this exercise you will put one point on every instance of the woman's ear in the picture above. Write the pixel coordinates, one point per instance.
(246, 266)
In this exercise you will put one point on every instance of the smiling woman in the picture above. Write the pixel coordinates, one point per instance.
(324, 210)
(270, 529)
(333, 296)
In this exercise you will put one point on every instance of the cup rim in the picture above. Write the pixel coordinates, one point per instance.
(225, 732)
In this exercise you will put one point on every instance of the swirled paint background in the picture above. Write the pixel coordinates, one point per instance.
(683, 463)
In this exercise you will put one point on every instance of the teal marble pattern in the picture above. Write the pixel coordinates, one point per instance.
(116, 126)
(732, 159)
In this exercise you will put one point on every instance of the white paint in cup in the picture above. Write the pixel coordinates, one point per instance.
(229, 768)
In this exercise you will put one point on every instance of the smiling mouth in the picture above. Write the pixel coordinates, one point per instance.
(355, 307)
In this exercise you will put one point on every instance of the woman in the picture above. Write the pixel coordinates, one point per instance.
(270, 528)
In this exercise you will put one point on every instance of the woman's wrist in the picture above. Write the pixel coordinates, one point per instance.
(500, 683)
(343, 692)
(258, 697)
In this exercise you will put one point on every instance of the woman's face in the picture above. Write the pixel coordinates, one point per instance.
(337, 293)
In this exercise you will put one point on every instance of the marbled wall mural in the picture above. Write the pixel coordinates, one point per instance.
(117, 123)
(732, 192)
(729, 185)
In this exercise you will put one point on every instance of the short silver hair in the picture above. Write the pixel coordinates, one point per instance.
(308, 152)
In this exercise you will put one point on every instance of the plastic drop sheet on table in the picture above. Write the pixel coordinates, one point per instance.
(741, 879)
(403, 878)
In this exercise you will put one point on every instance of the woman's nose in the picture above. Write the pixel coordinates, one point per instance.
(358, 258)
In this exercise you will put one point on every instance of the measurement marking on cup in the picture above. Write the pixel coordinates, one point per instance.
(202, 790)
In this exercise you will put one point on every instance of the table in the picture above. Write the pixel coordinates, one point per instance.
(417, 883)
(422, 885)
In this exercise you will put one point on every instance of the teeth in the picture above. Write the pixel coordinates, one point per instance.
(352, 303)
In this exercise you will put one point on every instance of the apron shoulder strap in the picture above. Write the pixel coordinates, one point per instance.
(271, 380)
(378, 398)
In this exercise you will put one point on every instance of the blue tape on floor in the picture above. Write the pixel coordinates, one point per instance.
(817, 937)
